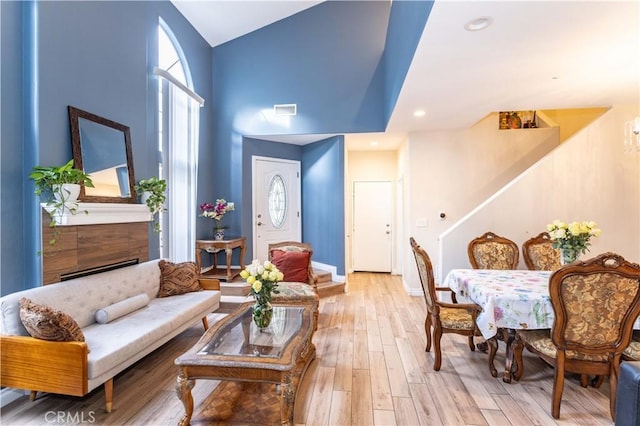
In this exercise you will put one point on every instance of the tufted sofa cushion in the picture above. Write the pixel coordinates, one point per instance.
(97, 291)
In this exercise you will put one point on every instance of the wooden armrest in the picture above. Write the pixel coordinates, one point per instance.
(42, 365)
(444, 289)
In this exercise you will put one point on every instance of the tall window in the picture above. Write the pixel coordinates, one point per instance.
(178, 121)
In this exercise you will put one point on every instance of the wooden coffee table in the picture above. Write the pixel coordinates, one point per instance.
(234, 349)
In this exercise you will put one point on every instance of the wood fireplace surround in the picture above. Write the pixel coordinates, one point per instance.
(106, 237)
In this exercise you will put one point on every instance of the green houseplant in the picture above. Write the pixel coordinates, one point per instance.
(58, 187)
(153, 194)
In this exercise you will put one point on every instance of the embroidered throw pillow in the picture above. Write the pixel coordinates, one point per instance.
(293, 264)
(43, 322)
(178, 278)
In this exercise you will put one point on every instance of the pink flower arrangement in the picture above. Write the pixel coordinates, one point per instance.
(216, 211)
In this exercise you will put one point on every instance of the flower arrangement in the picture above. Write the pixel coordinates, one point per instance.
(216, 211)
(573, 238)
(263, 278)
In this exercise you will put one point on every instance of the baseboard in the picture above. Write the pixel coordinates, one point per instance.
(329, 268)
(411, 291)
(8, 395)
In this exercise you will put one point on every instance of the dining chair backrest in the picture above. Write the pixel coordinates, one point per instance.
(595, 303)
(539, 254)
(425, 271)
(491, 251)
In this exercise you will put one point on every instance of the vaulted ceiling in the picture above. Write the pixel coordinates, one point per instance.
(533, 55)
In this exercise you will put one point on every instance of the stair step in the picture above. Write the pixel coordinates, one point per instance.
(234, 288)
(323, 276)
(330, 288)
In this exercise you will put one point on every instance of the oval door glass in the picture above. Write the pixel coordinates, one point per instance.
(277, 201)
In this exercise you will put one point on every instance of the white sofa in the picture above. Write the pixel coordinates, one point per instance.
(76, 368)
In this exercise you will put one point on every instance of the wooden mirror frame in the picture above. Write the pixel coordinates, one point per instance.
(75, 115)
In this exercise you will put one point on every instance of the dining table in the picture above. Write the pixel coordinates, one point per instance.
(510, 300)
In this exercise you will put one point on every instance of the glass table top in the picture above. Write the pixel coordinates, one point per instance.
(241, 337)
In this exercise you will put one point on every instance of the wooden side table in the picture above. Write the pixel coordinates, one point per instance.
(213, 247)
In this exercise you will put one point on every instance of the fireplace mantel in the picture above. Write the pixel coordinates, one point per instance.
(100, 213)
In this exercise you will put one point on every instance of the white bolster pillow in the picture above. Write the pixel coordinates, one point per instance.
(121, 308)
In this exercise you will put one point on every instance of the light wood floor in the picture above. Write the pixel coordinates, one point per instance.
(371, 368)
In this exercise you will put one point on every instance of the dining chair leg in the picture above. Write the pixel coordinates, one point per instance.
(558, 385)
(584, 380)
(614, 369)
(597, 381)
(437, 335)
(472, 346)
(427, 330)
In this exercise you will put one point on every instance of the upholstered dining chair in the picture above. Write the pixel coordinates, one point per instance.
(539, 254)
(491, 251)
(595, 303)
(443, 317)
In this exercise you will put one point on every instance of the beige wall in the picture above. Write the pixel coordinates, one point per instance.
(453, 172)
(588, 177)
(369, 166)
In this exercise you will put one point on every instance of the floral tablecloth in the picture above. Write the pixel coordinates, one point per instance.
(516, 299)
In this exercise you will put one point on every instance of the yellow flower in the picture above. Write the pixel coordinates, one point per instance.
(575, 228)
(257, 286)
(251, 279)
(273, 276)
(244, 274)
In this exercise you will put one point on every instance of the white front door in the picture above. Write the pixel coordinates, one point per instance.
(372, 232)
(276, 203)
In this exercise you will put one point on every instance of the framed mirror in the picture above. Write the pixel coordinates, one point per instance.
(102, 148)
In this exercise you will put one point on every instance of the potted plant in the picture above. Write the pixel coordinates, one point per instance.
(152, 193)
(59, 187)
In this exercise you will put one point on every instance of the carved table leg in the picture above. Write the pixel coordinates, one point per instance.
(508, 336)
(493, 348)
(287, 395)
(183, 389)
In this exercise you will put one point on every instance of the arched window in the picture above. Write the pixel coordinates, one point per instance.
(178, 133)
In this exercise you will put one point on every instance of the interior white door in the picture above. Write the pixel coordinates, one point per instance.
(372, 231)
(276, 203)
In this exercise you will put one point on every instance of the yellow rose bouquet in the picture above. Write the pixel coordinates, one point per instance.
(263, 279)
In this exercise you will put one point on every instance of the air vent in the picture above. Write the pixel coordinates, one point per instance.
(285, 109)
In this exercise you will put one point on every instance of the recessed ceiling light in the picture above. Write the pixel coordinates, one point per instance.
(478, 24)
(419, 113)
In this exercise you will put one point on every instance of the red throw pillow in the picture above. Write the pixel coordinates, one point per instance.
(293, 264)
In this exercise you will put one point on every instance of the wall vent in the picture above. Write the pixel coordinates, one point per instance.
(285, 109)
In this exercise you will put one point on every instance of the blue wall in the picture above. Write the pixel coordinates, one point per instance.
(323, 200)
(406, 23)
(97, 56)
(327, 60)
(12, 246)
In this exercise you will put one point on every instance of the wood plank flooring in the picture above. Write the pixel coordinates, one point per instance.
(370, 369)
